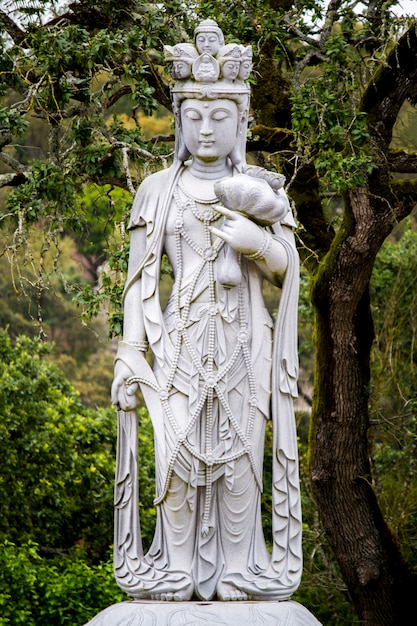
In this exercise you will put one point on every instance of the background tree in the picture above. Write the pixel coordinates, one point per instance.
(332, 81)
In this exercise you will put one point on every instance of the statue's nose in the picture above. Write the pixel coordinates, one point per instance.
(206, 127)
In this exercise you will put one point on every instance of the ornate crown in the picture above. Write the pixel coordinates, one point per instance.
(208, 68)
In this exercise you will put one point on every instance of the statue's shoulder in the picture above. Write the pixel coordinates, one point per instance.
(149, 195)
(153, 181)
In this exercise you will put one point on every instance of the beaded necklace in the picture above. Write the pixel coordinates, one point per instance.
(207, 371)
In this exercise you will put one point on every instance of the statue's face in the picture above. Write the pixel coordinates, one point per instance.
(181, 70)
(207, 43)
(245, 70)
(231, 70)
(209, 127)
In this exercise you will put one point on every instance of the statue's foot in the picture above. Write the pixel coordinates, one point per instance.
(226, 592)
(170, 597)
(167, 591)
(255, 588)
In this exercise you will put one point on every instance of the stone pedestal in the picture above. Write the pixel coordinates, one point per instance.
(147, 613)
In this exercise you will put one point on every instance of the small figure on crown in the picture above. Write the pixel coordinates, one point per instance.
(209, 59)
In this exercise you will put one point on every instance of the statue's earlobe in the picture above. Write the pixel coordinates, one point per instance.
(238, 154)
(182, 153)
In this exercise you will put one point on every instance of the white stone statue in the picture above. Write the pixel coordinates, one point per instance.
(221, 368)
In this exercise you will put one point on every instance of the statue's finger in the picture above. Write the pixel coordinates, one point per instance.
(131, 389)
(225, 211)
(219, 233)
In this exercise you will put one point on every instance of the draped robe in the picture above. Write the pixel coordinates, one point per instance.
(208, 492)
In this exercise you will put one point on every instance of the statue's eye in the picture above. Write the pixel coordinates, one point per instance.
(219, 116)
(192, 114)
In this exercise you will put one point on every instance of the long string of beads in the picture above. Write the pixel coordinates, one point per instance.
(206, 371)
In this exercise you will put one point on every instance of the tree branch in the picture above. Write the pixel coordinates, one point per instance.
(12, 180)
(405, 191)
(16, 33)
(122, 145)
(390, 87)
(123, 91)
(162, 93)
(403, 162)
(315, 52)
(299, 33)
(162, 138)
(11, 162)
(268, 139)
(331, 17)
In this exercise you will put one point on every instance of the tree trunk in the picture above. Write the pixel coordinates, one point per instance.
(379, 582)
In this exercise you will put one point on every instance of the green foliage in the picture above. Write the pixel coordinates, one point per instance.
(394, 306)
(60, 591)
(394, 408)
(46, 311)
(109, 293)
(72, 77)
(77, 74)
(12, 122)
(57, 456)
(101, 207)
(329, 127)
(56, 492)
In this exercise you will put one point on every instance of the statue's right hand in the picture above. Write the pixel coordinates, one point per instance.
(123, 396)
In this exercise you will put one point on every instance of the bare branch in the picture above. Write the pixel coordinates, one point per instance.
(12, 180)
(126, 89)
(390, 87)
(129, 182)
(123, 146)
(316, 46)
(162, 138)
(331, 17)
(11, 162)
(403, 162)
(139, 152)
(16, 33)
(299, 33)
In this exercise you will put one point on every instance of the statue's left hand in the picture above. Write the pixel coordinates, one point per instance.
(122, 395)
(240, 232)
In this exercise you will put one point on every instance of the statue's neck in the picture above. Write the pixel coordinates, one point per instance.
(214, 170)
(199, 177)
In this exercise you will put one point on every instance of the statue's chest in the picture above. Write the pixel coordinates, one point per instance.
(189, 222)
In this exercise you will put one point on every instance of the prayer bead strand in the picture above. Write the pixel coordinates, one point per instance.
(207, 372)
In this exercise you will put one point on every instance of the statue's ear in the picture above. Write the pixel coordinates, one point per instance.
(238, 154)
(182, 151)
(243, 122)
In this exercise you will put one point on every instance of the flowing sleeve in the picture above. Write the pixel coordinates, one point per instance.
(286, 502)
